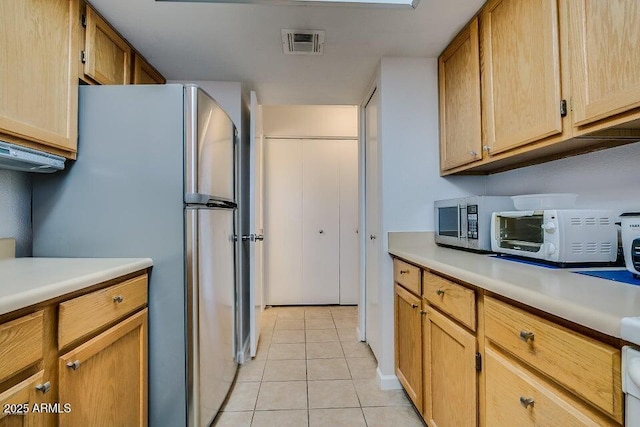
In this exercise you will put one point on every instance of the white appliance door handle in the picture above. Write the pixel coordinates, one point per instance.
(549, 227)
(633, 370)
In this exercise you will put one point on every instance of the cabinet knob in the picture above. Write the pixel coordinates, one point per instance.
(526, 401)
(422, 312)
(118, 299)
(74, 365)
(404, 271)
(43, 388)
(440, 292)
(414, 305)
(527, 336)
(473, 153)
(486, 148)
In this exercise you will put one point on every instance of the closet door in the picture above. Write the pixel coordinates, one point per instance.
(349, 241)
(321, 221)
(283, 221)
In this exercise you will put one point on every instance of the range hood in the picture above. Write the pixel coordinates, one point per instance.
(24, 159)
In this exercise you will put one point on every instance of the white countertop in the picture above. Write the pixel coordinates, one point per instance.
(28, 281)
(595, 303)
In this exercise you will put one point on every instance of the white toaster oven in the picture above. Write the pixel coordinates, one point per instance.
(559, 235)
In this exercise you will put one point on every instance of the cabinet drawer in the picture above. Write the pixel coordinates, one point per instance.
(585, 366)
(455, 300)
(516, 397)
(407, 275)
(81, 316)
(20, 344)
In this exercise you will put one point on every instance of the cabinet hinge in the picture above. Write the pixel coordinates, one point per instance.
(83, 20)
(83, 57)
(478, 362)
(563, 108)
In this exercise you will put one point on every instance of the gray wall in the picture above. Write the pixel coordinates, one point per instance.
(15, 209)
(608, 179)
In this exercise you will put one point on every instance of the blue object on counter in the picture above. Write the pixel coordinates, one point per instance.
(623, 276)
(526, 261)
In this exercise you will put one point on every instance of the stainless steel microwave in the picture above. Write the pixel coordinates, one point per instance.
(465, 222)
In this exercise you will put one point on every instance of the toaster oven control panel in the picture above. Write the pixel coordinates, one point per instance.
(472, 222)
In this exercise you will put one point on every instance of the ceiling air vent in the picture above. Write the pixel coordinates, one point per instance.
(303, 42)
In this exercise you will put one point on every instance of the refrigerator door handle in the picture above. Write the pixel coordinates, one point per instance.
(208, 201)
(192, 315)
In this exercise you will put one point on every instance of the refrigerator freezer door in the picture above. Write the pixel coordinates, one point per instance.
(210, 310)
(209, 147)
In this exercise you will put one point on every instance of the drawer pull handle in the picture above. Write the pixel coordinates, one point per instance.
(526, 401)
(527, 336)
(43, 388)
(404, 271)
(440, 292)
(74, 365)
(118, 299)
(414, 305)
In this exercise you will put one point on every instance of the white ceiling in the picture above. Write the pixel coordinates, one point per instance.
(242, 42)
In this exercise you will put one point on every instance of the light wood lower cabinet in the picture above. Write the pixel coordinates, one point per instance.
(96, 376)
(450, 376)
(409, 343)
(486, 362)
(105, 379)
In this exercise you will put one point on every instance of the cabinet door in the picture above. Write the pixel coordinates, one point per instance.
(107, 55)
(408, 346)
(16, 404)
(105, 379)
(520, 73)
(459, 87)
(605, 61)
(450, 377)
(144, 73)
(39, 78)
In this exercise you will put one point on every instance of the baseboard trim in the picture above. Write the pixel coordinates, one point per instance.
(360, 334)
(387, 382)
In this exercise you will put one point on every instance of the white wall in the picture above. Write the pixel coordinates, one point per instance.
(318, 121)
(608, 179)
(410, 177)
(15, 209)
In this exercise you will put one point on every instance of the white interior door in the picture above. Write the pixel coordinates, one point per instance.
(321, 221)
(372, 223)
(256, 264)
(283, 221)
(349, 240)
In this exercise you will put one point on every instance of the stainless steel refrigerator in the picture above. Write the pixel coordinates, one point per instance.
(155, 177)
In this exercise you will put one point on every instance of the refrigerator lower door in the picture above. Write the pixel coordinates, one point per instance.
(210, 310)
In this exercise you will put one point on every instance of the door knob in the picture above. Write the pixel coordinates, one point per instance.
(259, 237)
(321, 231)
(372, 237)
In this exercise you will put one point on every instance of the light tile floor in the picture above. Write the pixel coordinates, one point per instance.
(311, 371)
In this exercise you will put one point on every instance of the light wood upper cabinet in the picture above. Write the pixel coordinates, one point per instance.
(105, 379)
(605, 61)
(107, 56)
(408, 346)
(144, 73)
(521, 72)
(459, 88)
(450, 376)
(38, 74)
